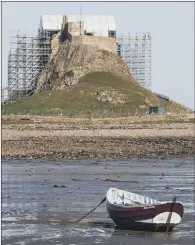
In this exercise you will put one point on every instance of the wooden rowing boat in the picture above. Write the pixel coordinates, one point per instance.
(133, 211)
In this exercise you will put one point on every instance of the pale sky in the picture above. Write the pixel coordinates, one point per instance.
(170, 23)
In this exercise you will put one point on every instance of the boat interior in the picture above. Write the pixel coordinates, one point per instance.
(124, 198)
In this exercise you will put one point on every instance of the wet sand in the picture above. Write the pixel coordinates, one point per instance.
(41, 198)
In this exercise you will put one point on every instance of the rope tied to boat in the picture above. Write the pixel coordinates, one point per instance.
(102, 201)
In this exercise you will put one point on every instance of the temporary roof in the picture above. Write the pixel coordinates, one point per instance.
(98, 24)
(51, 22)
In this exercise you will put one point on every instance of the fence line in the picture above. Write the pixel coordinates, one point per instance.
(82, 113)
(96, 113)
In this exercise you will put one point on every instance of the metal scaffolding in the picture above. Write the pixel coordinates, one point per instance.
(27, 57)
(4, 95)
(136, 51)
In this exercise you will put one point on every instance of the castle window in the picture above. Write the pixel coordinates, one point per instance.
(112, 34)
(89, 33)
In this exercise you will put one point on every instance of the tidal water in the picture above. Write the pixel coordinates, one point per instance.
(41, 200)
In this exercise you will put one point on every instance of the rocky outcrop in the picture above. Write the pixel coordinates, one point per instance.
(74, 61)
(55, 44)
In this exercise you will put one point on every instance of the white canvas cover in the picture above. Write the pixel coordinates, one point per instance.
(97, 24)
(51, 22)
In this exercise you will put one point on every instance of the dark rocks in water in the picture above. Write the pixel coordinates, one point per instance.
(55, 186)
(94, 163)
(75, 179)
(62, 186)
(125, 181)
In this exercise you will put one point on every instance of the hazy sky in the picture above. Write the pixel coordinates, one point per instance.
(171, 25)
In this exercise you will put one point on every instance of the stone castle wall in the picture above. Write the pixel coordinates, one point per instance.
(74, 32)
(104, 43)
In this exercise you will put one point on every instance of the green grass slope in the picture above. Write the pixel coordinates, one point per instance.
(172, 106)
(98, 92)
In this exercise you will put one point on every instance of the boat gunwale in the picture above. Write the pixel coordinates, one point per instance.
(141, 205)
(137, 205)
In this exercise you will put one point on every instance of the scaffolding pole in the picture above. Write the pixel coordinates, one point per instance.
(136, 51)
(4, 95)
(27, 57)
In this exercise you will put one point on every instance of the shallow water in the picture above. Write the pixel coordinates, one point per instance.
(35, 212)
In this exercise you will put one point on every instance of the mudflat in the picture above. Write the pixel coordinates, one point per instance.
(41, 199)
(44, 190)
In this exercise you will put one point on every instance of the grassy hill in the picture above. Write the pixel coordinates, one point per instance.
(97, 91)
(98, 94)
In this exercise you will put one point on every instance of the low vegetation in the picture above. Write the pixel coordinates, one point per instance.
(97, 95)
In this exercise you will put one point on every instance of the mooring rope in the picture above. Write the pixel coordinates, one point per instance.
(102, 201)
